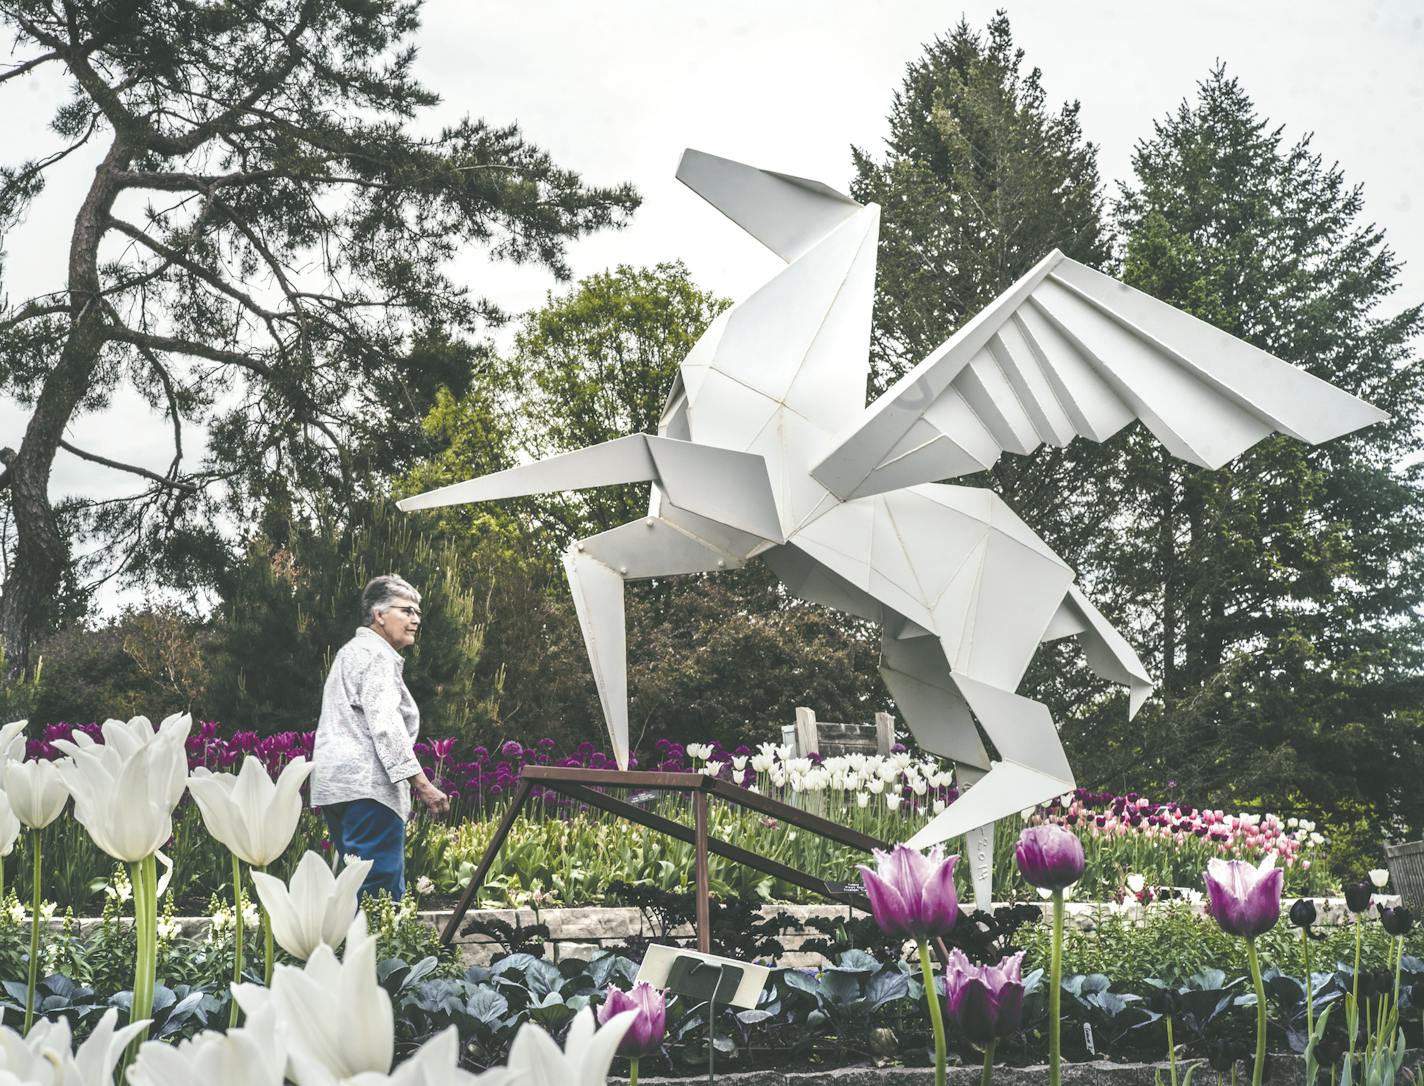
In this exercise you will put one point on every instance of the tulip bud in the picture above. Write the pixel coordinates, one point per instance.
(1050, 857)
(1357, 896)
(1302, 913)
(1380, 877)
(1396, 921)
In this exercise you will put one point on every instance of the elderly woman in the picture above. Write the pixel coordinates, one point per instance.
(364, 764)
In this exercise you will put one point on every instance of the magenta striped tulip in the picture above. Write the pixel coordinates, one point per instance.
(1050, 857)
(912, 895)
(645, 1035)
(985, 1001)
(1245, 900)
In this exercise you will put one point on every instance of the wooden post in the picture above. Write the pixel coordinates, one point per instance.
(704, 887)
(884, 733)
(806, 741)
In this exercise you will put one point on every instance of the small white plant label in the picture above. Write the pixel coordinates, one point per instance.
(1088, 1038)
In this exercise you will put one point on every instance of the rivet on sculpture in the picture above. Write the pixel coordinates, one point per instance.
(766, 449)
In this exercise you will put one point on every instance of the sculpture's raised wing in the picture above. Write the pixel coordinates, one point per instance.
(1069, 352)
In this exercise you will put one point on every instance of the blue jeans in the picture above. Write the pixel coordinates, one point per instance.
(371, 831)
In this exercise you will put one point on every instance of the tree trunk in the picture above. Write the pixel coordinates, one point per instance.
(41, 552)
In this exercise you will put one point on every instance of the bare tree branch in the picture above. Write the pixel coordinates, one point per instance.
(174, 256)
(28, 65)
(176, 484)
(124, 334)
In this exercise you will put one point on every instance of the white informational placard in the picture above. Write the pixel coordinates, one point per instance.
(658, 962)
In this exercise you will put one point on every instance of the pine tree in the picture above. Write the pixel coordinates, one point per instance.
(1278, 597)
(981, 180)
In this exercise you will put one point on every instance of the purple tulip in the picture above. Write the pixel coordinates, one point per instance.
(1245, 900)
(646, 1033)
(1050, 857)
(985, 1001)
(912, 895)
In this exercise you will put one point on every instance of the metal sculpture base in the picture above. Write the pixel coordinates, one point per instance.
(583, 784)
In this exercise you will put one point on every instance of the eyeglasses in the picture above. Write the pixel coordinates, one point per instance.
(409, 612)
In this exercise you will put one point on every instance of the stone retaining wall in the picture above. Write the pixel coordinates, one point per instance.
(582, 932)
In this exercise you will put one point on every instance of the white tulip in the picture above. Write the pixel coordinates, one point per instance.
(318, 906)
(738, 776)
(588, 1052)
(9, 827)
(892, 800)
(1136, 883)
(862, 799)
(12, 740)
(128, 737)
(739, 761)
(36, 790)
(876, 784)
(939, 806)
(125, 788)
(435, 1063)
(340, 1017)
(254, 816)
(253, 1056)
(1380, 877)
(714, 767)
(45, 1057)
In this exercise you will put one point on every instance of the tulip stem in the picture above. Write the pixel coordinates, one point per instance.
(237, 938)
(1171, 1052)
(266, 941)
(936, 1015)
(1254, 959)
(632, 1071)
(1309, 988)
(144, 876)
(1398, 960)
(988, 1072)
(1353, 1007)
(1055, 993)
(37, 840)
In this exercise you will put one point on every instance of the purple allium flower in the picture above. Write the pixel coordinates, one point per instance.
(645, 1035)
(1245, 900)
(1050, 857)
(985, 1001)
(511, 749)
(912, 895)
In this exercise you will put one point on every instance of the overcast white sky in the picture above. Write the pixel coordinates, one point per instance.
(617, 89)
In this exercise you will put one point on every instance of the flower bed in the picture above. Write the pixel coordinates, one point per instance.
(405, 998)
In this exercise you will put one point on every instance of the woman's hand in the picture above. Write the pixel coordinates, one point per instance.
(436, 801)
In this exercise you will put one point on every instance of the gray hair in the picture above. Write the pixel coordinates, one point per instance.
(382, 593)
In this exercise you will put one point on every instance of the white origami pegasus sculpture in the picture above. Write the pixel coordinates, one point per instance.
(766, 449)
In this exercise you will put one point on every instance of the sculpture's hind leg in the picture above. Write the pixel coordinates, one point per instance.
(919, 679)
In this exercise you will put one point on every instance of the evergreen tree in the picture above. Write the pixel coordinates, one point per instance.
(1278, 598)
(980, 181)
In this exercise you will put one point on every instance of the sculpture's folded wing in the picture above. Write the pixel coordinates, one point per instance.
(1069, 352)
